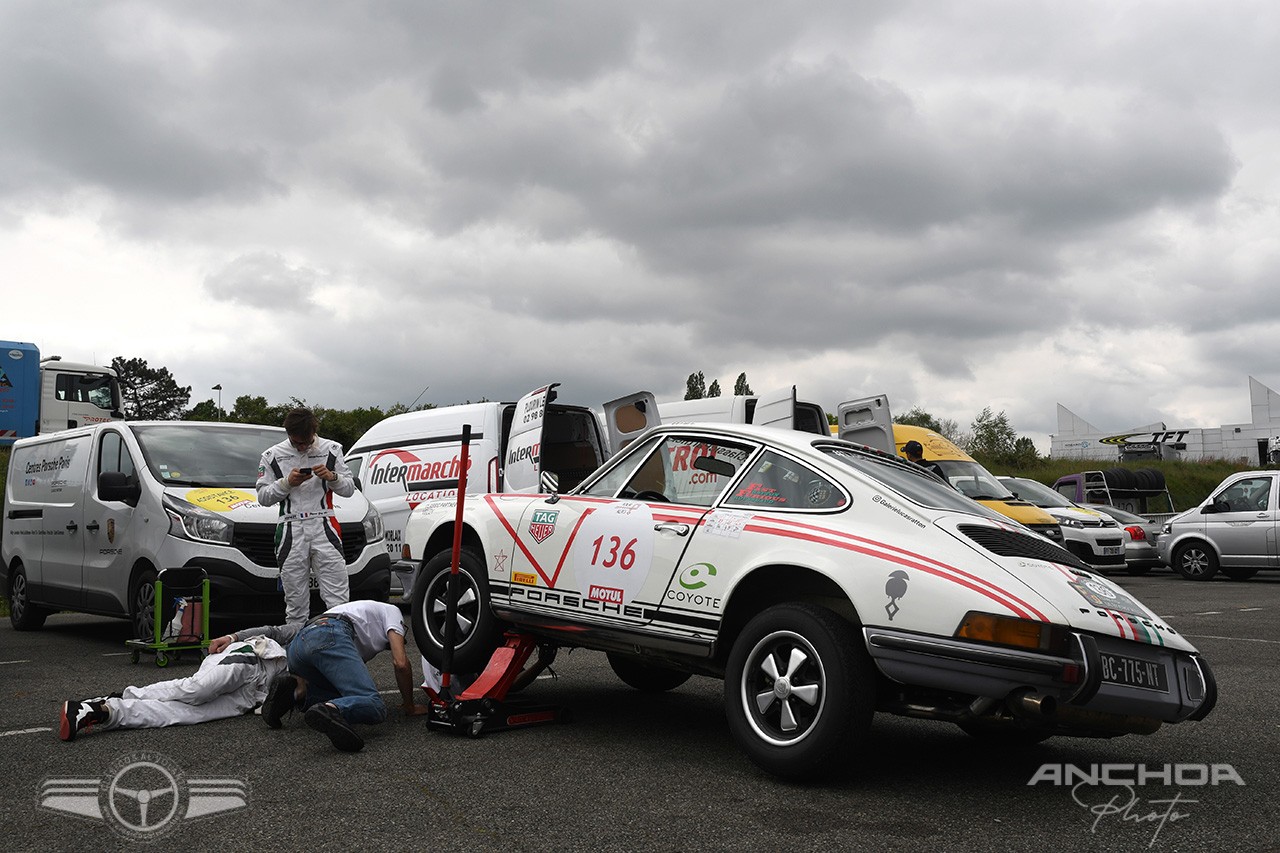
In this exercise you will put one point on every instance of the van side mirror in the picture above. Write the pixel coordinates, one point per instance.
(359, 485)
(1215, 507)
(117, 486)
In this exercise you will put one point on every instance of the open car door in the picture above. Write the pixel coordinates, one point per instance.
(776, 408)
(523, 469)
(867, 421)
(627, 417)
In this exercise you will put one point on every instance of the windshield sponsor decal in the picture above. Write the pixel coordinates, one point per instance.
(221, 500)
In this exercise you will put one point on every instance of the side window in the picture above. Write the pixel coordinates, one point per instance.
(114, 456)
(781, 483)
(678, 470)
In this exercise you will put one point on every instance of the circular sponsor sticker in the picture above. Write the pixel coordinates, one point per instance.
(221, 500)
(1101, 590)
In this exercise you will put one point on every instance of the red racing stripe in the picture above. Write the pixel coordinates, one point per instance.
(967, 579)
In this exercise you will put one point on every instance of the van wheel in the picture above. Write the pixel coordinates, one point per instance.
(477, 631)
(799, 691)
(143, 612)
(23, 615)
(645, 677)
(1195, 561)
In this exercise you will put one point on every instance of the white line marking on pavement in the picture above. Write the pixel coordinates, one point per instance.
(1251, 609)
(26, 731)
(1208, 613)
(3, 662)
(1232, 639)
(115, 654)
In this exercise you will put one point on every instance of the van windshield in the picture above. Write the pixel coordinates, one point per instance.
(207, 454)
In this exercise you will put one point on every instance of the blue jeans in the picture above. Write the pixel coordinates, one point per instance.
(324, 655)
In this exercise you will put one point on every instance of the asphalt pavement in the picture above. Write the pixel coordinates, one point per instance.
(635, 771)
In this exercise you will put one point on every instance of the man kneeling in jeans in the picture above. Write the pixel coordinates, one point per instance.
(327, 676)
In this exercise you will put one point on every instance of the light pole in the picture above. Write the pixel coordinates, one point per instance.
(218, 388)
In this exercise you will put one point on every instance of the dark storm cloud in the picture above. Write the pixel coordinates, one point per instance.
(79, 112)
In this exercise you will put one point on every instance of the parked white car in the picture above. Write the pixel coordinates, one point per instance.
(822, 580)
(1233, 530)
(1093, 537)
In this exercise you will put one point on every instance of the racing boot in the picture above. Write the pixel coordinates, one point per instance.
(83, 716)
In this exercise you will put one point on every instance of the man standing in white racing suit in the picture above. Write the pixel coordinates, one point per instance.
(302, 474)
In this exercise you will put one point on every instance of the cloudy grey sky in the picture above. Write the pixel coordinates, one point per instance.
(1007, 204)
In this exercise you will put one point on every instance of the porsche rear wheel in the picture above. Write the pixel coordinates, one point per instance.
(799, 691)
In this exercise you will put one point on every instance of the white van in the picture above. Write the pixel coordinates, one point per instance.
(92, 514)
(408, 459)
(776, 408)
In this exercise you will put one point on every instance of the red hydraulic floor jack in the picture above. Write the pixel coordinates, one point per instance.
(483, 705)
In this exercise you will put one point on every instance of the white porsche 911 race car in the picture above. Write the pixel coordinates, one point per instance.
(822, 580)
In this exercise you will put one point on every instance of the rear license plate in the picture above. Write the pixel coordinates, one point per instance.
(1131, 672)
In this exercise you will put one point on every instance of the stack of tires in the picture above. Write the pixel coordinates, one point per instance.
(1144, 479)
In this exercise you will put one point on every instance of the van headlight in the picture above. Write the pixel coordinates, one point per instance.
(188, 521)
(1071, 522)
(373, 529)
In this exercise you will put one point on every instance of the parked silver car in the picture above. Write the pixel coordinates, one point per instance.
(1234, 530)
(1141, 534)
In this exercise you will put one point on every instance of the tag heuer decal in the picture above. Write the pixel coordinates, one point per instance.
(543, 524)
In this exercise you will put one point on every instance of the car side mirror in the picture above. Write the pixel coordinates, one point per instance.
(550, 481)
(1215, 507)
(117, 486)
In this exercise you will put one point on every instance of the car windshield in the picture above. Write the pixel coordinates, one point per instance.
(918, 487)
(972, 480)
(1036, 493)
(205, 454)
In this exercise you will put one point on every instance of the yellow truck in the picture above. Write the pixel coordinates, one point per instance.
(869, 421)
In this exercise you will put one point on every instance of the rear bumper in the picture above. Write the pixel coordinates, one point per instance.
(1082, 699)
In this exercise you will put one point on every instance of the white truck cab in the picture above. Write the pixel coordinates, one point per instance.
(778, 408)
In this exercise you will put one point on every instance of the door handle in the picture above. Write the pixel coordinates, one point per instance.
(92, 527)
(72, 527)
(675, 527)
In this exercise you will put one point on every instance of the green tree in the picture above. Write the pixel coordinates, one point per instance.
(714, 389)
(256, 410)
(945, 427)
(695, 386)
(992, 436)
(206, 410)
(741, 388)
(149, 394)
